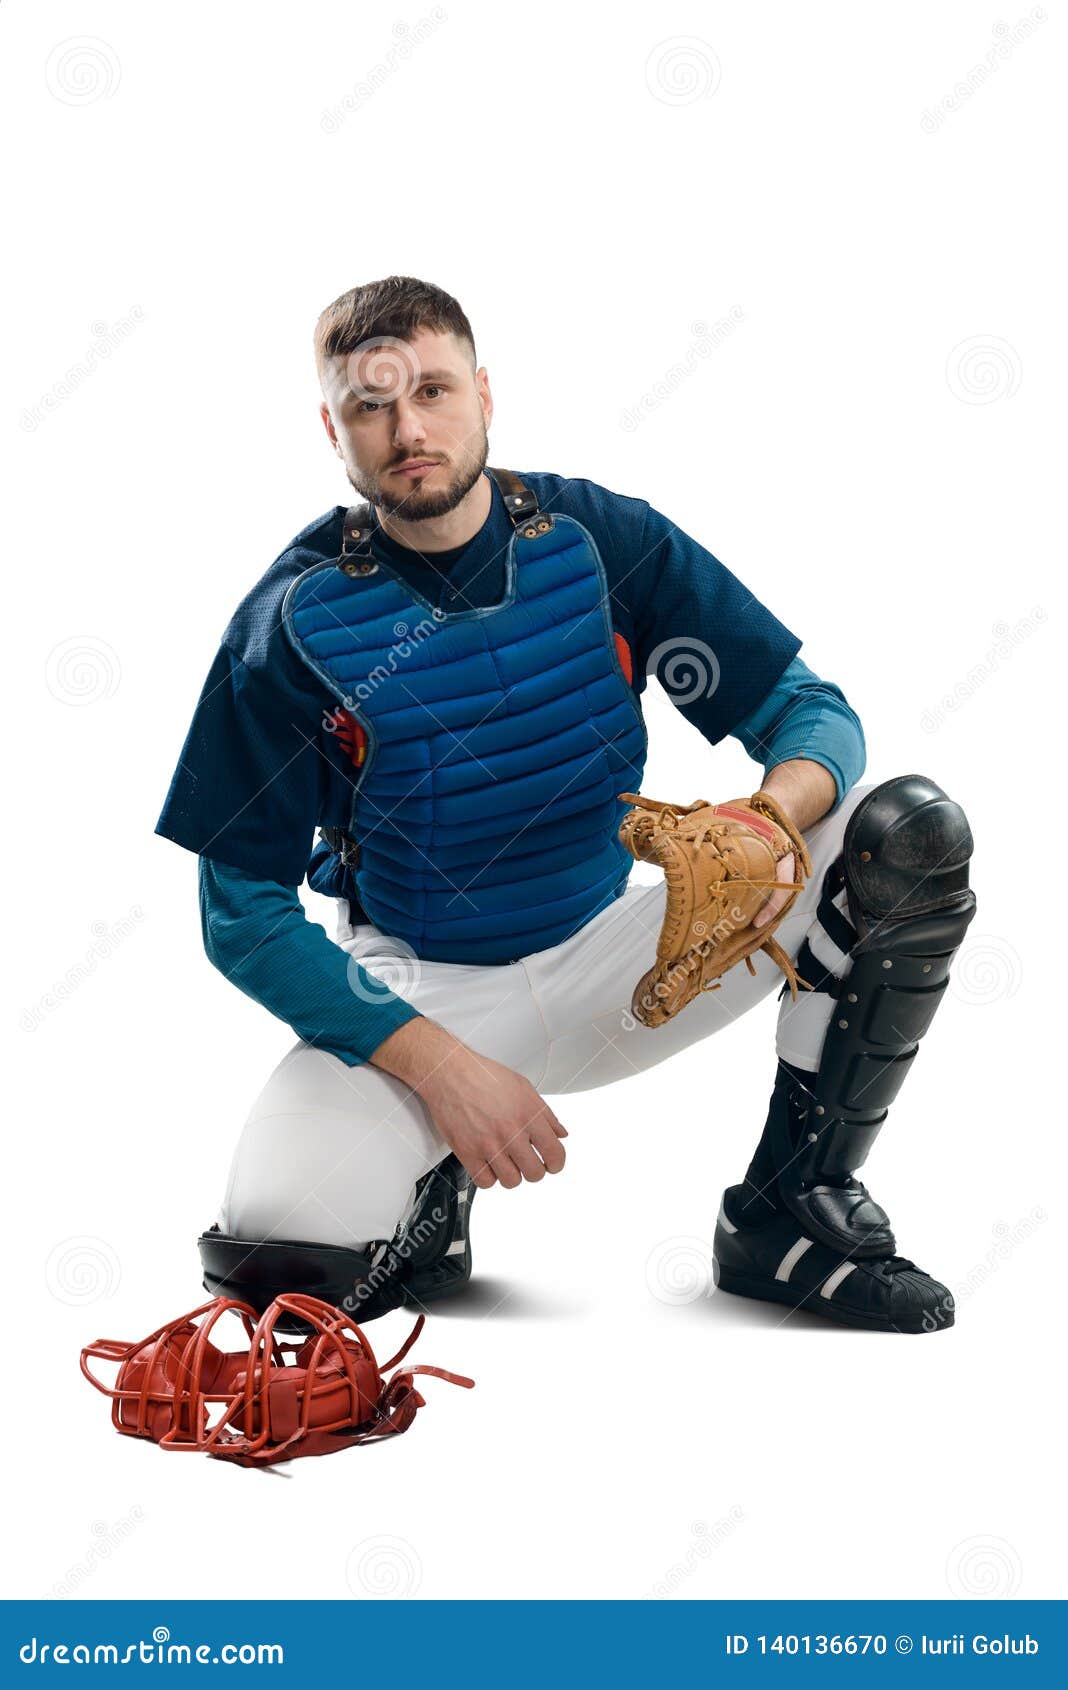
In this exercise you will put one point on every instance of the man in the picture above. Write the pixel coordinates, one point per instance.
(446, 680)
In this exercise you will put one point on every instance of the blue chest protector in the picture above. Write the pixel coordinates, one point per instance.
(484, 815)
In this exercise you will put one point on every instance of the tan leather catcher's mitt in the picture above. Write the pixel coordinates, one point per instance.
(719, 861)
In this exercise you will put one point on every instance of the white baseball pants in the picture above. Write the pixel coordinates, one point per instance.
(331, 1153)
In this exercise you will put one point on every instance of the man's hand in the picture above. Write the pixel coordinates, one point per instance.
(498, 1125)
(806, 791)
(784, 870)
(495, 1121)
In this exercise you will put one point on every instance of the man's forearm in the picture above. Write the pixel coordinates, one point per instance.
(422, 1053)
(806, 791)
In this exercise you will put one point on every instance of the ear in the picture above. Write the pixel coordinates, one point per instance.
(328, 424)
(485, 396)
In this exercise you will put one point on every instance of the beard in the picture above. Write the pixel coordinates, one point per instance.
(421, 504)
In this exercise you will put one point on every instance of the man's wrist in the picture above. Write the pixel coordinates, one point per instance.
(804, 790)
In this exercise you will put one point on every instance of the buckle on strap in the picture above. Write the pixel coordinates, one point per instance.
(342, 844)
(356, 557)
(519, 501)
(357, 528)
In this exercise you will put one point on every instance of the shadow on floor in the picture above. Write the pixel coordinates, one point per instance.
(504, 1299)
(729, 1310)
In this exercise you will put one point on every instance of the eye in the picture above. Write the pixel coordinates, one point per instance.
(432, 388)
(366, 405)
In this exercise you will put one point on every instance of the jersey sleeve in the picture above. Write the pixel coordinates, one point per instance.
(249, 785)
(257, 934)
(804, 716)
(713, 646)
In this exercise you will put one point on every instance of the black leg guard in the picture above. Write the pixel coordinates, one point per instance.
(433, 1245)
(428, 1257)
(802, 1228)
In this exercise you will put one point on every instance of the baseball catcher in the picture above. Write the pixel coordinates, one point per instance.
(430, 708)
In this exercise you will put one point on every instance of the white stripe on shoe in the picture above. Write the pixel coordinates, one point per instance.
(791, 1259)
(832, 1282)
(721, 1220)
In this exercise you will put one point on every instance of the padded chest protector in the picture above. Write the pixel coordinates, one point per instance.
(497, 740)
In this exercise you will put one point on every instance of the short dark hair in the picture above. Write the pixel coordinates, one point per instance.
(399, 306)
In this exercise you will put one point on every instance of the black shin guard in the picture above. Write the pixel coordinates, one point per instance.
(429, 1256)
(905, 868)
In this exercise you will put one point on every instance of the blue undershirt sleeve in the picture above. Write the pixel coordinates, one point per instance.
(803, 716)
(257, 934)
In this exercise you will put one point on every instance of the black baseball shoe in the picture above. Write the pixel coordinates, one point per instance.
(766, 1255)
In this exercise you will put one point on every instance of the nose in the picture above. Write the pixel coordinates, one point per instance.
(408, 429)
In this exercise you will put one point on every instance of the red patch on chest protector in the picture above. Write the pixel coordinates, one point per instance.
(349, 735)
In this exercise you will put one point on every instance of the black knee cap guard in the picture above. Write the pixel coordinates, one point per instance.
(907, 848)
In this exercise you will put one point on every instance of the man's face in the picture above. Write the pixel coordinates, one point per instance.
(392, 403)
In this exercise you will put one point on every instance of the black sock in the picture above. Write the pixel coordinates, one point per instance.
(758, 1194)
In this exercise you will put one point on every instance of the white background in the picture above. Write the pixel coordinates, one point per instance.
(872, 449)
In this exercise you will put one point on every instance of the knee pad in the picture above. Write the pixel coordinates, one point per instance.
(257, 1271)
(906, 852)
(428, 1257)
